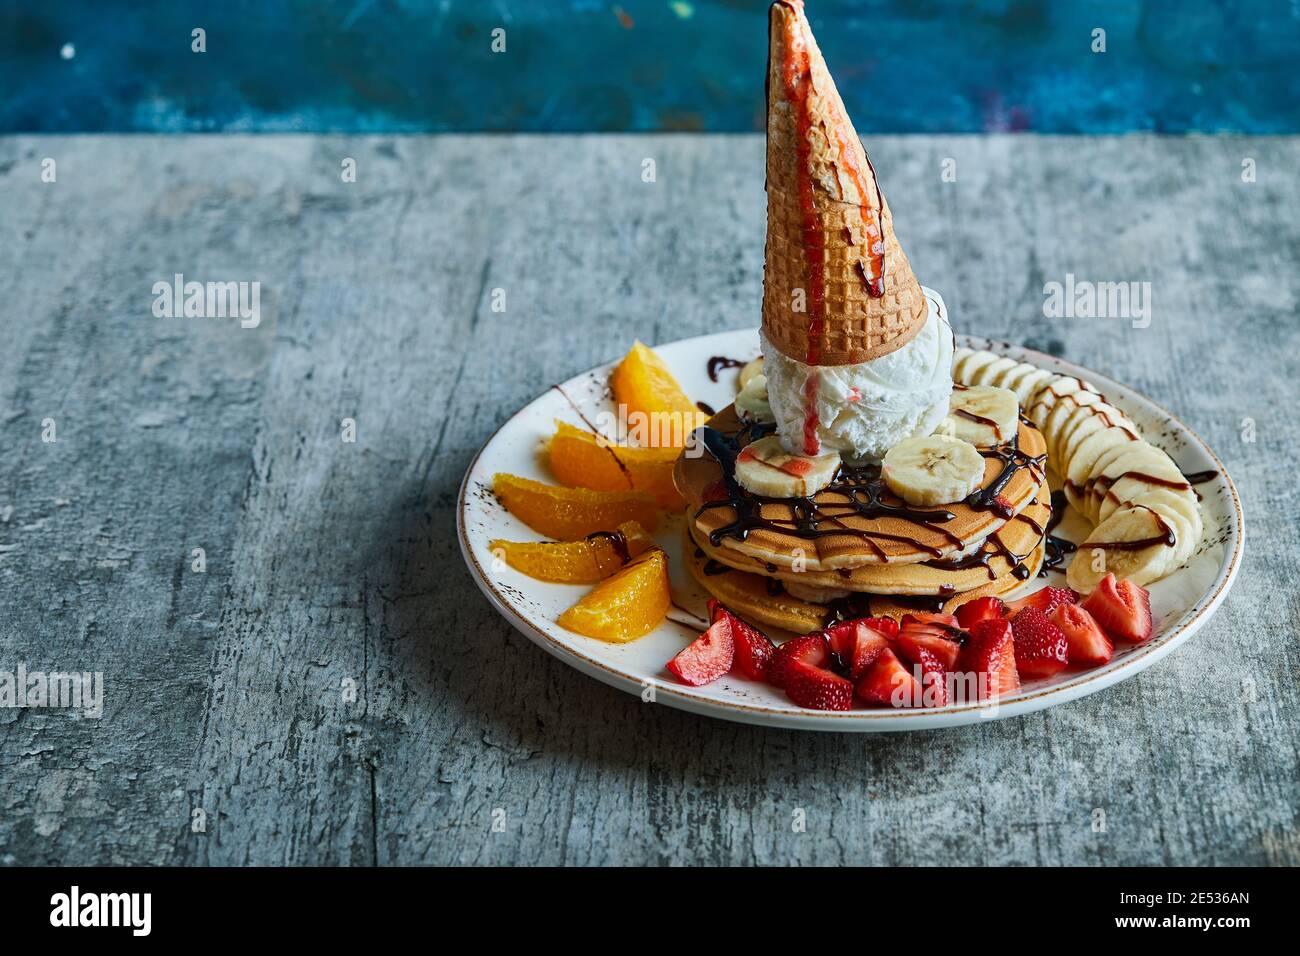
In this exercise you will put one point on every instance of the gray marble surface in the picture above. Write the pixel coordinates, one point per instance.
(333, 564)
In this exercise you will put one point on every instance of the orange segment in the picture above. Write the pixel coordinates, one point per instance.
(624, 607)
(572, 513)
(575, 562)
(583, 460)
(659, 414)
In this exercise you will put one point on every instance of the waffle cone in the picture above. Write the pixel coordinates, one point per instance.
(829, 230)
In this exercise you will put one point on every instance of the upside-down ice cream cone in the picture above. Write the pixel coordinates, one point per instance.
(838, 292)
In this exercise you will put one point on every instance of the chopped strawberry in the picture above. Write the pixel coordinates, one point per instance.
(858, 643)
(707, 657)
(797, 466)
(1044, 599)
(890, 683)
(885, 625)
(747, 454)
(1041, 648)
(816, 687)
(944, 643)
(754, 649)
(842, 636)
(934, 679)
(991, 652)
(980, 609)
(1122, 608)
(810, 649)
(1089, 646)
(922, 617)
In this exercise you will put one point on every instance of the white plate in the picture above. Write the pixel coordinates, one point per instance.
(1181, 603)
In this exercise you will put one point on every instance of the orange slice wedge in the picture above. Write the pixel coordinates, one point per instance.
(572, 513)
(659, 415)
(575, 562)
(583, 460)
(626, 606)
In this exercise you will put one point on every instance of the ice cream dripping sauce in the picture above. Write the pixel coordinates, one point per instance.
(796, 74)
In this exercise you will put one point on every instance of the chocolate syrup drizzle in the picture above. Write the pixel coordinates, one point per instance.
(1055, 549)
(617, 539)
(1013, 459)
(862, 490)
(718, 362)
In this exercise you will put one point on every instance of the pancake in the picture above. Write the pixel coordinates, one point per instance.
(1000, 553)
(750, 595)
(844, 537)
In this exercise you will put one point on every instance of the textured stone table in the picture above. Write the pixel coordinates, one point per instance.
(332, 563)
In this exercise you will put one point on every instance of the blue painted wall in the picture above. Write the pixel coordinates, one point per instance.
(399, 65)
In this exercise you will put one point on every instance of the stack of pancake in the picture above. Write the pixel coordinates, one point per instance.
(854, 548)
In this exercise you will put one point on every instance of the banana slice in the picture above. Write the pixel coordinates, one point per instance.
(1143, 463)
(982, 415)
(1180, 510)
(1089, 456)
(752, 403)
(1050, 395)
(1140, 549)
(988, 374)
(1087, 420)
(1013, 376)
(934, 470)
(765, 468)
(1101, 464)
(1054, 424)
(1028, 386)
(748, 371)
(968, 367)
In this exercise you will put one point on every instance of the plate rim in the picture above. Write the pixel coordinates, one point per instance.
(867, 720)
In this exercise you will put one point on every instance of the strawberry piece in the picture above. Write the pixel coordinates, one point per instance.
(858, 643)
(816, 687)
(980, 609)
(922, 617)
(991, 652)
(890, 684)
(796, 466)
(754, 649)
(1122, 608)
(934, 679)
(1044, 599)
(707, 657)
(1041, 648)
(943, 643)
(1089, 645)
(842, 636)
(810, 649)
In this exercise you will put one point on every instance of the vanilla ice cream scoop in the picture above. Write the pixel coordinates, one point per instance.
(863, 410)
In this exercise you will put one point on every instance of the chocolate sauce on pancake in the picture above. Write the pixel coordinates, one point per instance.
(863, 491)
